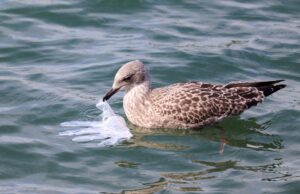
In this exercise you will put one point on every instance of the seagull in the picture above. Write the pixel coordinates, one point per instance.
(187, 105)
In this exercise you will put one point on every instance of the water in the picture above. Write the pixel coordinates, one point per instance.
(57, 58)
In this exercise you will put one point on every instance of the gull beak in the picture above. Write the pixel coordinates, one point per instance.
(110, 93)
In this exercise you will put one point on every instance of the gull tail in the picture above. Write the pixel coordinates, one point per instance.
(267, 87)
(252, 96)
(270, 89)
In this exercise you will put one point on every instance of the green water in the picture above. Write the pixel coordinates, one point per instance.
(57, 58)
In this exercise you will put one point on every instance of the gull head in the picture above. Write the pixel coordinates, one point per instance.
(129, 75)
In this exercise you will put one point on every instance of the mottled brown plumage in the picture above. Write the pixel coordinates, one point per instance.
(184, 105)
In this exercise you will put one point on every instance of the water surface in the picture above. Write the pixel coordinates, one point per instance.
(57, 58)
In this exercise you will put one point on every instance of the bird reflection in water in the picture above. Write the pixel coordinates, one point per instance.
(190, 181)
(234, 133)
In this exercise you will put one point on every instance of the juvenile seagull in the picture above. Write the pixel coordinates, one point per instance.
(184, 105)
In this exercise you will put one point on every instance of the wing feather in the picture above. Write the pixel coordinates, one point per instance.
(198, 104)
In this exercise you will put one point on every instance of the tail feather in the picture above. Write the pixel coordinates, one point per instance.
(252, 96)
(267, 87)
(252, 84)
(270, 89)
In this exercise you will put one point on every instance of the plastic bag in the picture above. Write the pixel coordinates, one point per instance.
(110, 131)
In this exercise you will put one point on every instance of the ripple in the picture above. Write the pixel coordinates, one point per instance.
(58, 57)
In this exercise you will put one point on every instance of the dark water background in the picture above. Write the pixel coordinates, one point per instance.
(57, 58)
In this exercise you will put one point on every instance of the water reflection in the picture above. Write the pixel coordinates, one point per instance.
(190, 181)
(235, 132)
(149, 187)
(126, 164)
(220, 167)
(214, 167)
(141, 134)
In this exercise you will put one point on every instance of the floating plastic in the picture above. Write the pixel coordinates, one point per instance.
(112, 130)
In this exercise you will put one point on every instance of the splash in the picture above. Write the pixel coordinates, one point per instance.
(112, 130)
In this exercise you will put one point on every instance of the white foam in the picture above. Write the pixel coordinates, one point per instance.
(254, 146)
(110, 131)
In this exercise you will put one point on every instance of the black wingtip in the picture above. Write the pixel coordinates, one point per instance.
(277, 81)
(253, 84)
(268, 90)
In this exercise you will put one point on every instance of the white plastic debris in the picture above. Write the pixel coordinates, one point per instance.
(110, 131)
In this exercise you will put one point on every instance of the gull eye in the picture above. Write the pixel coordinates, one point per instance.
(127, 78)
